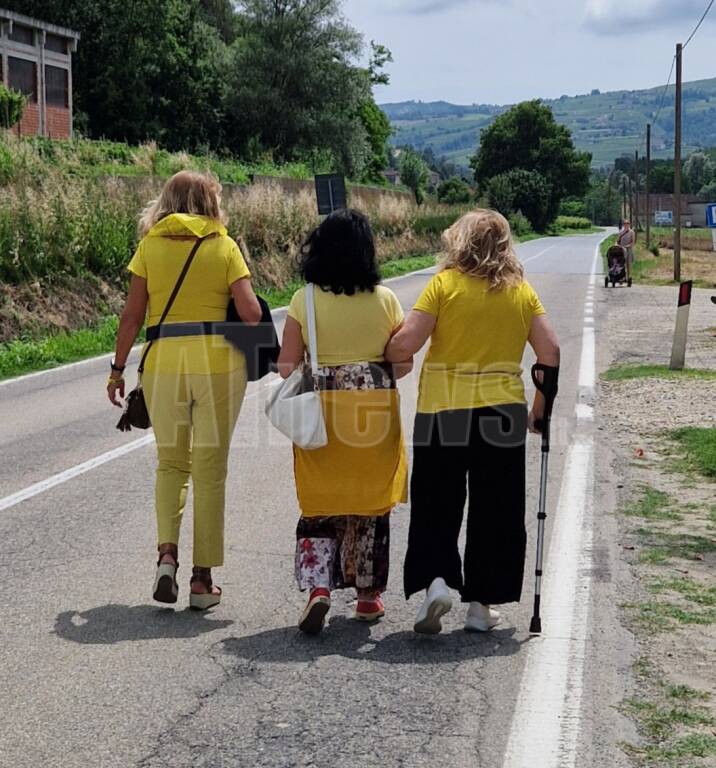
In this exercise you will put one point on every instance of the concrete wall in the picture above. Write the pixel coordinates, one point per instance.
(366, 195)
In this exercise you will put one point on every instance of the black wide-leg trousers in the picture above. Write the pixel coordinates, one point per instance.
(481, 451)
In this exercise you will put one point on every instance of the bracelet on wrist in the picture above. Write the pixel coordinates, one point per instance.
(118, 368)
(115, 381)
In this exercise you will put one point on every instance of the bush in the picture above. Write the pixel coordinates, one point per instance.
(12, 105)
(573, 208)
(526, 191)
(455, 191)
(520, 224)
(573, 222)
(500, 195)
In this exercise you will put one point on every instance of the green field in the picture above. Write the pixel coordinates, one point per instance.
(608, 125)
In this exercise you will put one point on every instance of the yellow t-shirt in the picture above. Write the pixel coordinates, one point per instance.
(475, 355)
(350, 329)
(203, 297)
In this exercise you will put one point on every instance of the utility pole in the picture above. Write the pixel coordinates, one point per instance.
(648, 185)
(631, 202)
(637, 223)
(677, 167)
(625, 214)
(609, 198)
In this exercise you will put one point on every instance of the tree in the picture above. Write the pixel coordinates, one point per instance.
(414, 173)
(296, 86)
(699, 170)
(526, 191)
(145, 70)
(380, 56)
(12, 105)
(708, 191)
(454, 191)
(529, 139)
(602, 203)
(662, 177)
(378, 130)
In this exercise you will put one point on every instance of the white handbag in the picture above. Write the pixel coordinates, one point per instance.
(293, 411)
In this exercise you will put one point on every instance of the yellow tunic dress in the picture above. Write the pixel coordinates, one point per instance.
(363, 468)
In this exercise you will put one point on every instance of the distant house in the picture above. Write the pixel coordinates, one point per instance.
(693, 208)
(434, 180)
(36, 59)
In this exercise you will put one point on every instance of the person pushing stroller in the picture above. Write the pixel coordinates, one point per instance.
(627, 240)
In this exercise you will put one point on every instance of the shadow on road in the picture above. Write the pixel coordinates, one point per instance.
(351, 639)
(118, 623)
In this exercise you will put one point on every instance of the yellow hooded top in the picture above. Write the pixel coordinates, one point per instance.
(204, 295)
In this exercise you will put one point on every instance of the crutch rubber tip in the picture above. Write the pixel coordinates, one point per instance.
(536, 626)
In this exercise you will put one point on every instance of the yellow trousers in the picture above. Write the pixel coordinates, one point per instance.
(193, 417)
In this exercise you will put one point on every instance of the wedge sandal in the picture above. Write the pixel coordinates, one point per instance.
(202, 601)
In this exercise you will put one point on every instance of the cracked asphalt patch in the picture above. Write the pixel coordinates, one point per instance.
(348, 697)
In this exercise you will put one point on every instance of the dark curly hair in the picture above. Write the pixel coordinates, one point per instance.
(339, 255)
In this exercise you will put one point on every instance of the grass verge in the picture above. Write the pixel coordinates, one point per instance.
(25, 356)
(653, 505)
(673, 721)
(623, 372)
(698, 445)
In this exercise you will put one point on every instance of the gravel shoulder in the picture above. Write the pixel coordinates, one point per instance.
(665, 523)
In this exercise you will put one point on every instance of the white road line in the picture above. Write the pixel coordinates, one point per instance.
(68, 474)
(546, 723)
(541, 253)
(79, 469)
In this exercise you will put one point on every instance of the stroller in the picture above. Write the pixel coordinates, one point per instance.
(616, 263)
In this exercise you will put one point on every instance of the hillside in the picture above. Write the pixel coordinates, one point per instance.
(606, 124)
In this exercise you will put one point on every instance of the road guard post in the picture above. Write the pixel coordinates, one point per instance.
(678, 350)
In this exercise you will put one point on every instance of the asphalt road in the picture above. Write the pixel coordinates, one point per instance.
(92, 674)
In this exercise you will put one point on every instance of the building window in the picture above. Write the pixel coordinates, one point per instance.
(22, 76)
(56, 43)
(57, 87)
(21, 34)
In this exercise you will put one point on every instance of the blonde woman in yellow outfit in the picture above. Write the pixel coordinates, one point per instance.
(479, 313)
(194, 384)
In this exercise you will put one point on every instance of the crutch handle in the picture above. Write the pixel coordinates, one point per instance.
(548, 385)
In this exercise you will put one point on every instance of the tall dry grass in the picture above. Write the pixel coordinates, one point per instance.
(54, 223)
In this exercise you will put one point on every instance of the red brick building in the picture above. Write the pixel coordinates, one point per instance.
(36, 59)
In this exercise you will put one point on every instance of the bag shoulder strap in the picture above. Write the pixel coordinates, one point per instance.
(311, 323)
(172, 297)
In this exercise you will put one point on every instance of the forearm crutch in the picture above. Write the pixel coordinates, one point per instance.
(547, 385)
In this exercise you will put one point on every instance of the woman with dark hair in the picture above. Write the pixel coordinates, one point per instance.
(347, 489)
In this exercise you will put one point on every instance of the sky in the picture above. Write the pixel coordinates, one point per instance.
(504, 51)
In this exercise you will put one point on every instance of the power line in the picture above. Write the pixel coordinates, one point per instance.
(701, 21)
(666, 88)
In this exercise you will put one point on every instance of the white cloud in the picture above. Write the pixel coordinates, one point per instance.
(620, 16)
(425, 7)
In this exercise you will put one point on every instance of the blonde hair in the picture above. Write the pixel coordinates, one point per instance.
(480, 245)
(185, 192)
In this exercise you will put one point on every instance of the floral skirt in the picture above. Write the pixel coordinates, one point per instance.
(343, 551)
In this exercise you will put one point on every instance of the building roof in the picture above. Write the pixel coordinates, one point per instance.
(28, 21)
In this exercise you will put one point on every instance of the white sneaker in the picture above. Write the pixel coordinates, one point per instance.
(437, 603)
(481, 618)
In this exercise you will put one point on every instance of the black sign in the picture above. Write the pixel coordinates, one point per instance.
(330, 193)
